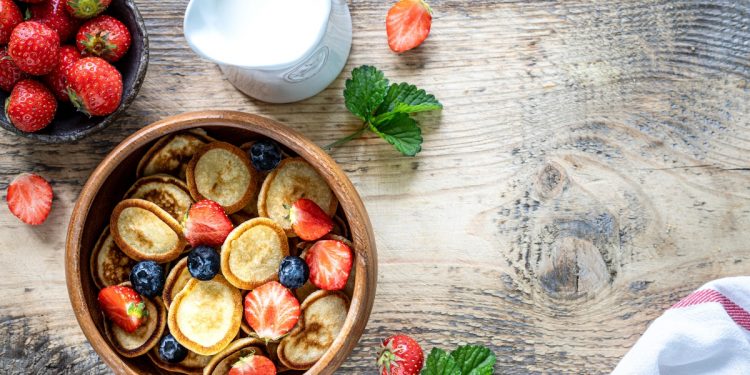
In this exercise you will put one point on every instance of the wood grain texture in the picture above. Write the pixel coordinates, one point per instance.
(589, 169)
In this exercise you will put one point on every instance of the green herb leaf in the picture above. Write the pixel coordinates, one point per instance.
(474, 360)
(405, 98)
(440, 363)
(402, 132)
(365, 91)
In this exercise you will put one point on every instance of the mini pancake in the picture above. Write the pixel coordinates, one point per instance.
(176, 280)
(324, 313)
(145, 337)
(291, 180)
(193, 364)
(222, 362)
(252, 253)
(109, 265)
(222, 173)
(205, 316)
(172, 153)
(167, 192)
(146, 232)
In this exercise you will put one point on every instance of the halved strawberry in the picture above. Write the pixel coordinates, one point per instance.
(207, 224)
(30, 198)
(271, 310)
(309, 221)
(330, 263)
(124, 306)
(408, 24)
(253, 364)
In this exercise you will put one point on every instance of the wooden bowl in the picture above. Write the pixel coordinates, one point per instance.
(70, 125)
(116, 173)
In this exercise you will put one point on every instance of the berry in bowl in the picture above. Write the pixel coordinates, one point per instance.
(216, 242)
(71, 67)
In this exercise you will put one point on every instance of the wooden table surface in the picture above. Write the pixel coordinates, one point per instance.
(591, 166)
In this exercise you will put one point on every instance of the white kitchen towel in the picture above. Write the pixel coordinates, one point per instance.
(707, 332)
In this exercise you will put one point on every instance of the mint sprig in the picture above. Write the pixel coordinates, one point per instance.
(385, 109)
(465, 360)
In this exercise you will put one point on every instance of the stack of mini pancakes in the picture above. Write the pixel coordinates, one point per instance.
(207, 316)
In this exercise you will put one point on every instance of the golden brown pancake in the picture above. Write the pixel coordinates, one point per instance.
(323, 316)
(252, 253)
(109, 265)
(172, 153)
(293, 179)
(145, 337)
(222, 362)
(177, 278)
(167, 192)
(205, 316)
(144, 231)
(193, 364)
(222, 173)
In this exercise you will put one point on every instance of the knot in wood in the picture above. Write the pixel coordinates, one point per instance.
(551, 180)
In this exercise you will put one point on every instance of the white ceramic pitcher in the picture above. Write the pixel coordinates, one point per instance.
(278, 51)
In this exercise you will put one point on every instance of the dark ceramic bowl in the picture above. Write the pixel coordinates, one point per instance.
(70, 125)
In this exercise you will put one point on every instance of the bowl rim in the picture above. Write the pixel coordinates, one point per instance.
(109, 119)
(363, 237)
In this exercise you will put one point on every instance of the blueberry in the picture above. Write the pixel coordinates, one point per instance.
(147, 278)
(265, 155)
(293, 272)
(170, 350)
(203, 263)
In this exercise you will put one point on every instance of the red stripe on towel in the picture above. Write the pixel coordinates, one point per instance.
(737, 313)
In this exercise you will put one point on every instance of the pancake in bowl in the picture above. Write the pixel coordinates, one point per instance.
(167, 192)
(323, 316)
(145, 337)
(252, 253)
(193, 364)
(172, 153)
(222, 173)
(144, 231)
(293, 179)
(205, 316)
(109, 265)
(176, 280)
(222, 362)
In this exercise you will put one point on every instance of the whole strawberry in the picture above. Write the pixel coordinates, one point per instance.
(400, 355)
(34, 47)
(85, 9)
(9, 72)
(52, 13)
(104, 37)
(10, 17)
(30, 106)
(124, 306)
(94, 86)
(57, 80)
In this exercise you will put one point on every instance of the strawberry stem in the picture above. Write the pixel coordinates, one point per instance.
(346, 139)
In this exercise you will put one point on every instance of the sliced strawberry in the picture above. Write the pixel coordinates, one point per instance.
(123, 306)
(330, 263)
(253, 364)
(309, 221)
(271, 310)
(408, 24)
(30, 198)
(207, 224)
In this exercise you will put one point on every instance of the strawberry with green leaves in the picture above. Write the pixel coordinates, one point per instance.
(271, 310)
(94, 86)
(104, 37)
(123, 306)
(400, 355)
(253, 364)
(408, 24)
(85, 9)
(385, 109)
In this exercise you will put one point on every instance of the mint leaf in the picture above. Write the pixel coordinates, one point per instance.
(365, 91)
(474, 360)
(402, 132)
(440, 363)
(405, 98)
